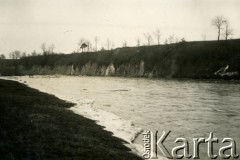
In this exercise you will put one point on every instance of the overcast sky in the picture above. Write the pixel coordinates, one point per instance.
(25, 24)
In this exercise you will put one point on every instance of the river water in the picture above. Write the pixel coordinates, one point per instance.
(187, 108)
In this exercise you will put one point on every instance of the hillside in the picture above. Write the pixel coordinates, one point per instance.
(180, 60)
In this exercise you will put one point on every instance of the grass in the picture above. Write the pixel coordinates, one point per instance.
(36, 125)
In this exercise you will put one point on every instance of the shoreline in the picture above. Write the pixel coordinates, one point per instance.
(86, 109)
(128, 77)
(38, 125)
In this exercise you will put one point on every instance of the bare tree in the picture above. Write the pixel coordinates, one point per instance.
(138, 41)
(228, 31)
(218, 22)
(108, 44)
(51, 48)
(125, 43)
(157, 35)
(23, 55)
(183, 40)
(88, 43)
(2, 56)
(176, 40)
(166, 41)
(171, 39)
(43, 47)
(96, 39)
(90, 46)
(15, 55)
(148, 38)
(34, 53)
(112, 45)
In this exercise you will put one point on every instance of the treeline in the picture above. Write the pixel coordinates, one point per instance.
(222, 24)
(179, 60)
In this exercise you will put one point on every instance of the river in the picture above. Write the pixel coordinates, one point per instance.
(187, 108)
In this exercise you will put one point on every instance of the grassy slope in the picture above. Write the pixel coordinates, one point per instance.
(181, 60)
(36, 125)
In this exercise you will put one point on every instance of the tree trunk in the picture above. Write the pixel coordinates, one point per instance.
(226, 34)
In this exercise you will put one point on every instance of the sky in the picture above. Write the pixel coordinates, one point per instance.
(26, 24)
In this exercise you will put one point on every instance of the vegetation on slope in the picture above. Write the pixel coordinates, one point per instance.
(36, 125)
(181, 60)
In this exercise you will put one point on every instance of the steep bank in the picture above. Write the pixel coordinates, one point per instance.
(208, 59)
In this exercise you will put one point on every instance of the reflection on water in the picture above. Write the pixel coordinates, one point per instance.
(188, 108)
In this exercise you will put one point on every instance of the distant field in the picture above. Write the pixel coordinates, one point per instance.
(36, 125)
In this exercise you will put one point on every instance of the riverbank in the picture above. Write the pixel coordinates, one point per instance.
(151, 104)
(37, 125)
(194, 60)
